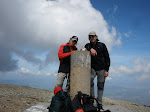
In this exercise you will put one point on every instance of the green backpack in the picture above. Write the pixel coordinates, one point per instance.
(61, 102)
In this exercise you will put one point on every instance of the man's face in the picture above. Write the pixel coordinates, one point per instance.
(92, 38)
(72, 43)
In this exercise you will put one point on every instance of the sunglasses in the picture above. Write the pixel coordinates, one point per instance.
(91, 36)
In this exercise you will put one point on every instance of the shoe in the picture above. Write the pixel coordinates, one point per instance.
(100, 108)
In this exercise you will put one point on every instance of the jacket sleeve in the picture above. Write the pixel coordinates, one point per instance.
(62, 55)
(87, 46)
(107, 58)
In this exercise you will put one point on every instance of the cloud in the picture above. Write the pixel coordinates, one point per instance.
(25, 71)
(128, 34)
(115, 8)
(108, 78)
(112, 12)
(6, 61)
(29, 28)
(140, 69)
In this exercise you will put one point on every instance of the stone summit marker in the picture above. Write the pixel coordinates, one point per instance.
(80, 78)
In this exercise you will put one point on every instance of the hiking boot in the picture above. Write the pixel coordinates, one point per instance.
(100, 108)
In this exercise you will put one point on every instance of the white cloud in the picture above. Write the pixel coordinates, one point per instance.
(140, 69)
(112, 12)
(31, 27)
(25, 71)
(128, 34)
(108, 78)
(115, 8)
(48, 74)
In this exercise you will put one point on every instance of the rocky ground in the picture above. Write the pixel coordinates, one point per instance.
(18, 98)
(130, 106)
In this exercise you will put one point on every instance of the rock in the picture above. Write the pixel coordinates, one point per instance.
(40, 107)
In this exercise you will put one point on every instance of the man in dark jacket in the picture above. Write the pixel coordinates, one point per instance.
(100, 63)
(64, 55)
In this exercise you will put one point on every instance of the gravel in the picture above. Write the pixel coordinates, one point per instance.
(15, 98)
(18, 98)
(130, 106)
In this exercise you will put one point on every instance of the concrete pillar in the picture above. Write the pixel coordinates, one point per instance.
(80, 76)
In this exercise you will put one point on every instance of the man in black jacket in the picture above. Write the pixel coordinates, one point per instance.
(100, 63)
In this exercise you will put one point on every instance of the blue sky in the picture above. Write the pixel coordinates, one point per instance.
(130, 17)
(32, 31)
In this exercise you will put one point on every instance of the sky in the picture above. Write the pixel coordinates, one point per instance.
(31, 32)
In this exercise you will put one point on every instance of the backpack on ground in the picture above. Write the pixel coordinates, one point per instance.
(83, 103)
(61, 102)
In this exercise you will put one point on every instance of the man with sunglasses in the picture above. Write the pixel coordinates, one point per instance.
(64, 55)
(100, 63)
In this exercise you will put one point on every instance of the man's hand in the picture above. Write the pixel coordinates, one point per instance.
(106, 74)
(93, 52)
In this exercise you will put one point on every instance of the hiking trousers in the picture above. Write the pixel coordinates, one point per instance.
(100, 83)
(60, 80)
